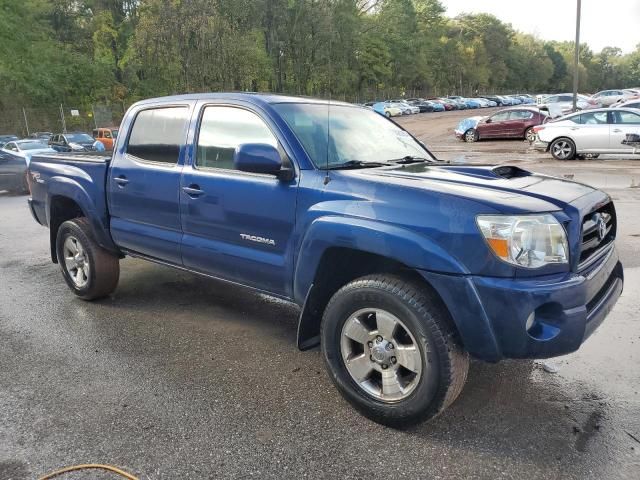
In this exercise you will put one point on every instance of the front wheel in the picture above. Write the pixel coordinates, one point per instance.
(90, 271)
(471, 135)
(563, 149)
(391, 350)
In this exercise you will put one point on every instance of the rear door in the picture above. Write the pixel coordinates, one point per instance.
(623, 122)
(144, 182)
(591, 134)
(516, 123)
(237, 226)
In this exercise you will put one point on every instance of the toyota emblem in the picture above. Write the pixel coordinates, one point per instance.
(602, 227)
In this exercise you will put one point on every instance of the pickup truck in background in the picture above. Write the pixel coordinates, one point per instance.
(403, 266)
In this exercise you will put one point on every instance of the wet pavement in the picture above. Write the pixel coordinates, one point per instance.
(179, 376)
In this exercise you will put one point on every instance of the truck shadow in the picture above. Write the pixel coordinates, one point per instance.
(513, 411)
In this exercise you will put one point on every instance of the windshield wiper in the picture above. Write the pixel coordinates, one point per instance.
(357, 164)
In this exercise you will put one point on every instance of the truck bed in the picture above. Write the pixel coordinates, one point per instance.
(78, 176)
(93, 157)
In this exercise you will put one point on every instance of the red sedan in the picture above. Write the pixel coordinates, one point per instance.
(509, 123)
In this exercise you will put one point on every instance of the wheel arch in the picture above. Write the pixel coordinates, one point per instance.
(339, 266)
(67, 200)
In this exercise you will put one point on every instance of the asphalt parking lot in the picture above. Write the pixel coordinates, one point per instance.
(178, 376)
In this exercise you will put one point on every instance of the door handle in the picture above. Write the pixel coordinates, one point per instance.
(574, 128)
(121, 180)
(193, 190)
(617, 130)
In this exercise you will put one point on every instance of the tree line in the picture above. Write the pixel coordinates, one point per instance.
(104, 51)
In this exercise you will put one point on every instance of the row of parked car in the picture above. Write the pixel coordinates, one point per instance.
(410, 106)
(16, 153)
(585, 133)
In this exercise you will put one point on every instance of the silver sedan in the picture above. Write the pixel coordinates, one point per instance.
(589, 133)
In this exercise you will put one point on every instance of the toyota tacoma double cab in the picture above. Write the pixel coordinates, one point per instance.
(403, 266)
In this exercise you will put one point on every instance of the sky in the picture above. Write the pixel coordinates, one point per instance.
(614, 23)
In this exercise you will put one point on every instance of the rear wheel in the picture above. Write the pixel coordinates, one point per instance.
(471, 135)
(387, 114)
(90, 271)
(563, 149)
(530, 135)
(391, 351)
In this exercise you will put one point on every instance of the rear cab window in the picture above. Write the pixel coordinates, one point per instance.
(158, 134)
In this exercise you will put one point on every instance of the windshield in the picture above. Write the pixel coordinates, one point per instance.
(79, 137)
(31, 145)
(355, 135)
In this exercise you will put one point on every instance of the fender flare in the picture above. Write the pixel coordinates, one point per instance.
(390, 241)
(69, 188)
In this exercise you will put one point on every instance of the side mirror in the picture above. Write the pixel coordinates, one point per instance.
(488, 120)
(260, 158)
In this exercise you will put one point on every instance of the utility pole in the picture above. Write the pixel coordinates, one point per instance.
(64, 124)
(576, 60)
(26, 123)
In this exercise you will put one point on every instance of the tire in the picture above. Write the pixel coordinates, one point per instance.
(24, 187)
(563, 149)
(387, 114)
(471, 135)
(419, 385)
(90, 271)
(530, 135)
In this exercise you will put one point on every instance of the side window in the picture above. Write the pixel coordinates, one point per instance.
(520, 115)
(105, 134)
(224, 128)
(158, 134)
(626, 118)
(500, 117)
(594, 118)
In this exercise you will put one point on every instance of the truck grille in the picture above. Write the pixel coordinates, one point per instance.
(598, 232)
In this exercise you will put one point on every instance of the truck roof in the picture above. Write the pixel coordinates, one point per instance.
(251, 97)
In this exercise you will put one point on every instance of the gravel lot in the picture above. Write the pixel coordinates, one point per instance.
(178, 376)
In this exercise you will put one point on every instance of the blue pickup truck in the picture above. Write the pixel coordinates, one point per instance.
(403, 266)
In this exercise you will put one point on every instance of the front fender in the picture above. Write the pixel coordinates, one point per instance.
(73, 190)
(389, 241)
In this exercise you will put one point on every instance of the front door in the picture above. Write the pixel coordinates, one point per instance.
(236, 225)
(144, 184)
(494, 126)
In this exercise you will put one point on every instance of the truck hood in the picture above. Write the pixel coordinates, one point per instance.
(506, 188)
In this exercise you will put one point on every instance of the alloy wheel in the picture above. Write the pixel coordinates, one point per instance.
(562, 150)
(76, 262)
(381, 354)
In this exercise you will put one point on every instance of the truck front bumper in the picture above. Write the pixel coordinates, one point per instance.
(530, 317)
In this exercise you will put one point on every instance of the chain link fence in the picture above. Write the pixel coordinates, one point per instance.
(27, 120)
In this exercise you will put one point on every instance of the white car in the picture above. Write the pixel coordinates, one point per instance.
(26, 148)
(562, 104)
(609, 97)
(628, 104)
(405, 105)
(591, 133)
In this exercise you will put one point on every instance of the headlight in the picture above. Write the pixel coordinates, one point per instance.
(530, 241)
(76, 146)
